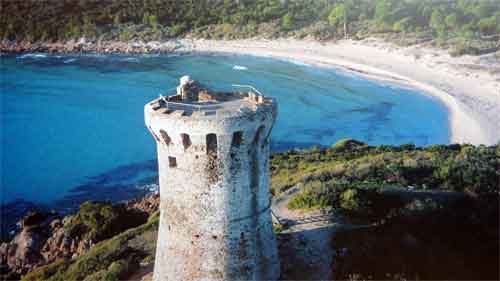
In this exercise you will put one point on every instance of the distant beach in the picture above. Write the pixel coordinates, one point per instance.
(468, 85)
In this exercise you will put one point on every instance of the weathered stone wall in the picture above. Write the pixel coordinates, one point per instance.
(215, 219)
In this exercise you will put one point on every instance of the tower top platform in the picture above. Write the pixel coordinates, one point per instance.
(193, 100)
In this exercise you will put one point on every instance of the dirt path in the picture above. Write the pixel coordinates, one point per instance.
(305, 249)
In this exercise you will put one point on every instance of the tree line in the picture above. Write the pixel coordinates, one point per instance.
(441, 20)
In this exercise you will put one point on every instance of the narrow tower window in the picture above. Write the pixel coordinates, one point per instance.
(212, 166)
(186, 141)
(165, 137)
(172, 162)
(237, 139)
(212, 144)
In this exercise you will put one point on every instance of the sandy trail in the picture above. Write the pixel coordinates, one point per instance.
(305, 247)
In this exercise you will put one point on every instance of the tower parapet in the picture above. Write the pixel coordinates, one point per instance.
(213, 158)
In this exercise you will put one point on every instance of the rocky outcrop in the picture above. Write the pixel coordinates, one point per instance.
(61, 244)
(23, 253)
(43, 238)
(149, 204)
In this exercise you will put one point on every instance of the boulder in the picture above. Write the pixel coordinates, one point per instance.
(149, 204)
(22, 254)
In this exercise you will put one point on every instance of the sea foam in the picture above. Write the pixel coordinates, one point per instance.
(69, 60)
(32, 56)
(240, 67)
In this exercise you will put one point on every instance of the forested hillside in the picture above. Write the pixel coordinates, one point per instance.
(469, 26)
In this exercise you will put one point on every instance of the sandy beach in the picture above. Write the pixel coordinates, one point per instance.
(469, 86)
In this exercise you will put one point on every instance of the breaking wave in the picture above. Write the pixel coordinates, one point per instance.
(240, 67)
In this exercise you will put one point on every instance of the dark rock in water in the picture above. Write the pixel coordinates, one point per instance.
(33, 219)
(12, 213)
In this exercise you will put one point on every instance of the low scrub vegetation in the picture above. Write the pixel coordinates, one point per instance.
(327, 172)
(100, 220)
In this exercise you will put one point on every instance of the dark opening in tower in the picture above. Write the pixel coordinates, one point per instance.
(237, 139)
(212, 167)
(166, 137)
(186, 141)
(172, 162)
(212, 144)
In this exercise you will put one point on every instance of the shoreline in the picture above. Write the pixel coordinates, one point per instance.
(472, 102)
(469, 86)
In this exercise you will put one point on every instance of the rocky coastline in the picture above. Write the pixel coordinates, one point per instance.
(45, 237)
(84, 46)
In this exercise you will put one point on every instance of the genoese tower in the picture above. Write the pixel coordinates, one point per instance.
(213, 161)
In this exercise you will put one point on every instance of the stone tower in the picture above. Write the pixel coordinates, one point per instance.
(213, 158)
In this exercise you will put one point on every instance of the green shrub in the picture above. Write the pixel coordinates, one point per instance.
(287, 22)
(117, 270)
(347, 144)
(101, 220)
(125, 34)
(349, 200)
(178, 29)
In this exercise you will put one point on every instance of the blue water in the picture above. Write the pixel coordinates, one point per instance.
(76, 122)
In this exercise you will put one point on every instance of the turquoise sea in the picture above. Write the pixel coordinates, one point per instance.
(72, 126)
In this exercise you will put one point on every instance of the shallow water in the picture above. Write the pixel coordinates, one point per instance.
(77, 121)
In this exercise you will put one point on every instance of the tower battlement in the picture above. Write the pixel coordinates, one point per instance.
(213, 157)
(193, 100)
